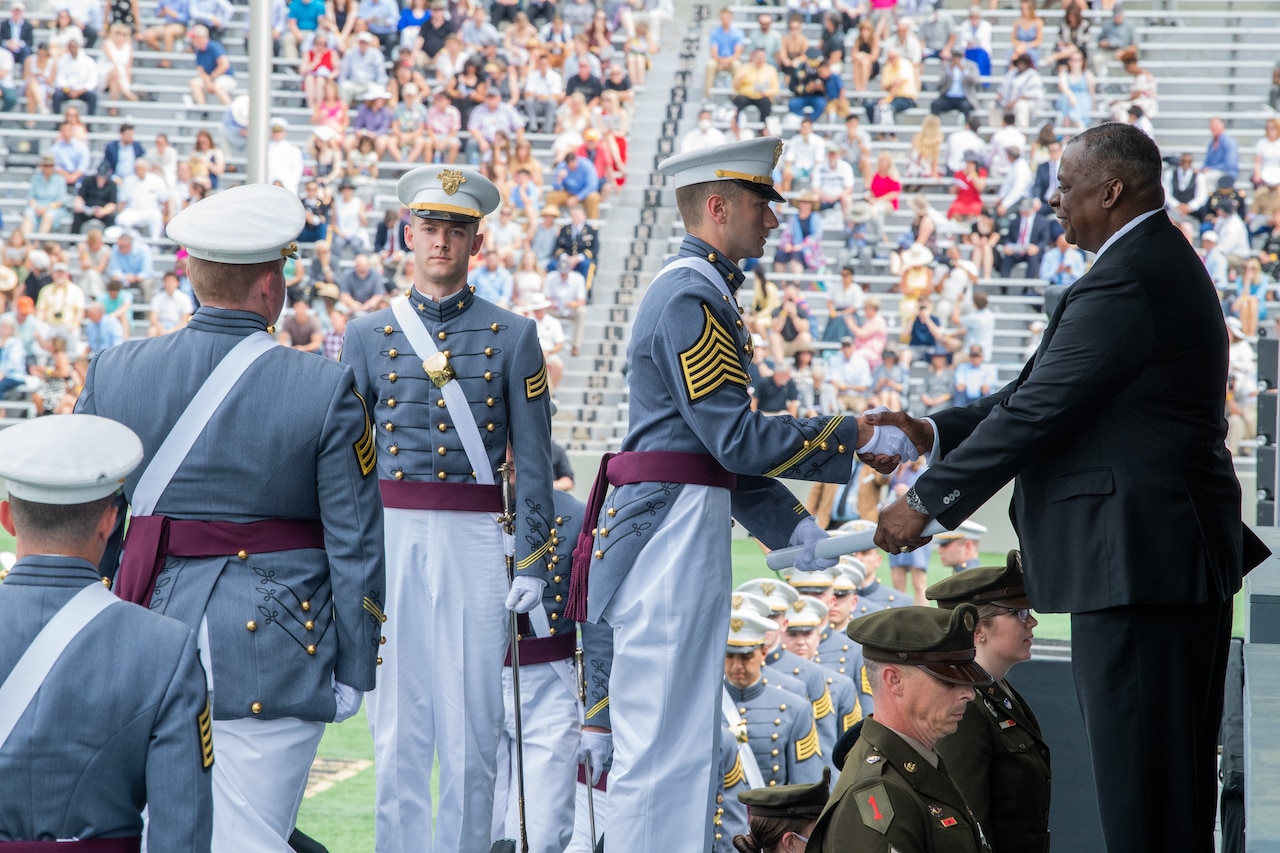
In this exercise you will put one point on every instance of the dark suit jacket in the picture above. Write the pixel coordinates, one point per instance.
(587, 244)
(1040, 189)
(1125, 493)
(25, 33)
(111, 153)
(1041, 232)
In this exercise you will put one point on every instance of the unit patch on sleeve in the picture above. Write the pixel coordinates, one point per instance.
(711, 361)
(875, 808)
(366, 448)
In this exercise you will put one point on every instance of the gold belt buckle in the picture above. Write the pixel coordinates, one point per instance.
(439, 369)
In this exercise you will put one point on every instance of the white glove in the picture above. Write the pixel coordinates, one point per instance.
(594, 750)
(526, 593)
(889, 441)
(348, 700)
(807, 535)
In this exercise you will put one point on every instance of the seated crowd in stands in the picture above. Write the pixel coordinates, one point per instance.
(840, 83)
(536, 95)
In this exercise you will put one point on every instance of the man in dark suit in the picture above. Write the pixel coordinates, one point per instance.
(16, 34)
(1046, 182)
(1126, 502)
(1025, 239)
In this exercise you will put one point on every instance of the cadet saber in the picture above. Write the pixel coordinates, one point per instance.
(581, 666)
(508, 522)
(837, 546)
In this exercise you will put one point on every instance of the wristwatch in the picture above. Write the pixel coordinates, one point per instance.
(914, 503)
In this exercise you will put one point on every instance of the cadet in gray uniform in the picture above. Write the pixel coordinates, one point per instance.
(117, 718)
(552, 716)
(958, 549)
(449, 381)
(256, 518)
(775, 724)
(804, 623)
(893, 794)
(695, 455)
(835, 650)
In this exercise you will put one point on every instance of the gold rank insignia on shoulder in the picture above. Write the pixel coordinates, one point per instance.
(451, 180)
(439, 370)
(711, 361)
(365, 447)
(536, 385)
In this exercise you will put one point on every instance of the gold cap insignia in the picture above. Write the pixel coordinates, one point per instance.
(797, 606)
(777, 154)
(737, 600)
(766, 588)
(736, 624)
(450, 180)
(289, 251)
(969, 624)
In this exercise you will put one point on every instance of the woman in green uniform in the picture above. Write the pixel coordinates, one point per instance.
(997, 757)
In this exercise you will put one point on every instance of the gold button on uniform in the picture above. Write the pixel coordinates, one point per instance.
(440, 404)
(488, 375)
(488, 351)
(251, 625)
(393, 449)
(441, 475)
(493, 327)
(256, 707)
(443, 427)
(306, 607)
(441, 451)
(442, 335)
(244, 555)
(393, 352)
(389, 427)
(309, 625)
(382, 641)
(391, 402)
(379, 660)
(399, 475)
(489, 402)
(311, 650)
(386, 330)
(391, 377)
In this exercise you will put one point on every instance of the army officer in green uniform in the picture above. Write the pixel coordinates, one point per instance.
(997, 757)
(894, 792)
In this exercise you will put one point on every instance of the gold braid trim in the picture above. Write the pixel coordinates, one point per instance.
(809, 446)
(737, 774)
(711, 361)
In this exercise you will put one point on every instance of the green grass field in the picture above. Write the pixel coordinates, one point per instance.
(341, 815)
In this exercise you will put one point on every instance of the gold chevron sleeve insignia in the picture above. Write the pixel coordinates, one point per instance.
(823, 707)
(205, 725)
(597, 708)
(851, 719)
(807, 747)
(711, 361)
(366, 448)
(809, 446)
(866, 682)
(735, 775)
(374, 610)
(536, 385)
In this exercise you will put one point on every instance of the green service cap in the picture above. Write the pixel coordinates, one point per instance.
(789, 800)
(1002, 585)
(937, 641)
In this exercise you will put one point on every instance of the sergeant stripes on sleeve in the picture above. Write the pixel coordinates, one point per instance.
(711, 361)
(807, 747)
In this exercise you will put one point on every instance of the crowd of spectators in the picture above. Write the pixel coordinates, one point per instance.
(537, 95)
(846, 83)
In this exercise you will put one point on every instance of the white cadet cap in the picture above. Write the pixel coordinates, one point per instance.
(456, 194)
(966, 530)
(249, 224)
(802, 581)
(779, 595)
(744, 600)
(750, 163)
(850, 574)
(808, 612)
(747, 631)
(67, 459)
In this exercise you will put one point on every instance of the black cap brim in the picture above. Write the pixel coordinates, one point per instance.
(766, 190)
(968, 673)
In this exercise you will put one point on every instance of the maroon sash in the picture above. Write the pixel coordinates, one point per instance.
(620, 469)
(151, 538)
(87, 845)
(462, 497)
(602, 785)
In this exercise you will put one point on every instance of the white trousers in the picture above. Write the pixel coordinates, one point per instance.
(439, 687)
(581, 842)
(670, 618)
(259, 776)
(550, 736)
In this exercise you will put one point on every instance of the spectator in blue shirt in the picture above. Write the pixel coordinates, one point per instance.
(131, 260)
(727, 44)
(576, 181)
(492, 281)
(975, 378)
(1221, 155)
(101, 330)
(361, 69)
(213, 14)
(213, 68)
(13, 356)
(71, 156)
(1062, 263)
(382, 16)
(174, 16)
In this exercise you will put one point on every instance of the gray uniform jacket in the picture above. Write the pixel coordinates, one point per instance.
(688, 358)
(882, 596)
(729, 818)
(121, 721)
(291, 440)
(781, 732)
(839, 653)
(498, 363)
(814, 678)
